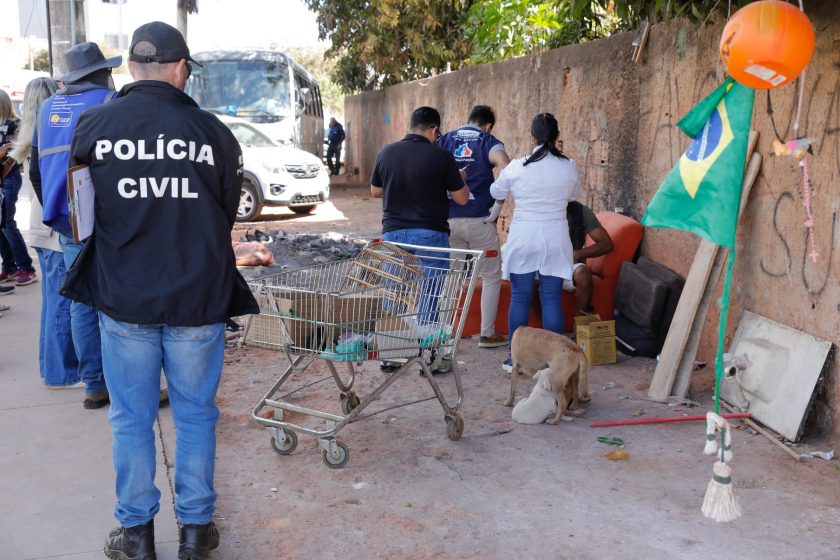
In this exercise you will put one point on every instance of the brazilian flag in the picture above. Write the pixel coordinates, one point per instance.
(702, 192)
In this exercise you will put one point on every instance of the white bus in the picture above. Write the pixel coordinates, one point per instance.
(266, 88)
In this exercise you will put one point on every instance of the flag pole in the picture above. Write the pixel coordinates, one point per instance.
(724, 311)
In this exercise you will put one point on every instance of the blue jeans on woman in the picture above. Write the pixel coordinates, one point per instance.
(56, 354)
(85, 325)
(12, 246)
(522, 293)
(435, 266)
(191, 358)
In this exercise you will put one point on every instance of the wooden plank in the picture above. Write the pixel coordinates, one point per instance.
(672, 350)
(682, 324)
(682, 381)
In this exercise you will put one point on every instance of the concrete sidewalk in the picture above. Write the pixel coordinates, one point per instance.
(57, 482)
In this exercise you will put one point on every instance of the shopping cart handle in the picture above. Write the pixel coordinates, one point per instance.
(491, 253)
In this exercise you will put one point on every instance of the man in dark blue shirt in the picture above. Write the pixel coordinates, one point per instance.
(334, 139)
(473, 226)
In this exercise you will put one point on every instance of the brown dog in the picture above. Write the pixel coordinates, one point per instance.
(534, 349)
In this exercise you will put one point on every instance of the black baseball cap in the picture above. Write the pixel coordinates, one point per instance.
(168, 42)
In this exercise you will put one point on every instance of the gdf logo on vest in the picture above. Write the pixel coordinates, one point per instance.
(60, 119)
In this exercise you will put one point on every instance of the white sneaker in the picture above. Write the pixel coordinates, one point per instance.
(77, 385)
(507, 365)
(5, 307)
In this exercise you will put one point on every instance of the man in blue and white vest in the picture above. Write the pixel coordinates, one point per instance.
(473, 226)
(87, 83)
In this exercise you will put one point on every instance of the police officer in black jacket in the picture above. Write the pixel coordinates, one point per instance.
(160, 269)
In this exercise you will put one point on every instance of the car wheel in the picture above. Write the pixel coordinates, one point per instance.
(249, 202)
(303, 209)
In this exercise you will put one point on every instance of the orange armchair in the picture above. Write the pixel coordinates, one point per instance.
(626, 234)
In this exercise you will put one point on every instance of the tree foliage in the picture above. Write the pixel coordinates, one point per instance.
(376, 43)
(500, 29)
(40, 61)
(634, 11)
(321, 66)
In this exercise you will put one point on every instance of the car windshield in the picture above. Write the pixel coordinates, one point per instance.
(249, 136)
(256, 90)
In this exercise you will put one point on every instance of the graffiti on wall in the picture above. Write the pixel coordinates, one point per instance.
(786, 256)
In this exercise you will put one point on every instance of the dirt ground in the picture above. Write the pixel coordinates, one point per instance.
(504, 490)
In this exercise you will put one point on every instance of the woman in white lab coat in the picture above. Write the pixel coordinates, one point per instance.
(538, 242)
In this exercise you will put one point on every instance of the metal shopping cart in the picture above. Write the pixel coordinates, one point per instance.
(395, 303)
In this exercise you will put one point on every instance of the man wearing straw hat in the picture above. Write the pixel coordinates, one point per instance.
(87, 83)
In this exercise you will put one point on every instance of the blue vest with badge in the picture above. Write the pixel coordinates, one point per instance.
(56, 121)
(471, 148)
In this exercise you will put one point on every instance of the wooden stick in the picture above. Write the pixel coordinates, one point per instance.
(641, 41)
(765, 433)
(662, 420)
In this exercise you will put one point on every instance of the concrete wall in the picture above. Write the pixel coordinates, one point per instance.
(617, 119)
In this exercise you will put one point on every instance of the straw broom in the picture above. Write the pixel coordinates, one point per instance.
(720, 502)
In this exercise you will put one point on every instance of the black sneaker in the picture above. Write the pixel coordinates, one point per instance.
(132, 543)
(6, 290)
(389, 367)
(196, 541)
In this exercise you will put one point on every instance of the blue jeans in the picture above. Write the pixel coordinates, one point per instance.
(85, 327)
(191, 358)
(435, 266)
(12, 246)
(551, 299)
(56, 354)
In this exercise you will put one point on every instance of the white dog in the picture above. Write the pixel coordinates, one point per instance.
(540, 405)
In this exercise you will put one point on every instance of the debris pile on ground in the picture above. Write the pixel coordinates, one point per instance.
(300, 250)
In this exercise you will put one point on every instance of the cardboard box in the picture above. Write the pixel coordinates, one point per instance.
(395, 338)
(596, 338)
(312, 321)
(358, 311)
(271, 328)
(295, 311)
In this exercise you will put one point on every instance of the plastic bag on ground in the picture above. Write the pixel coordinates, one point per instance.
(252, 253)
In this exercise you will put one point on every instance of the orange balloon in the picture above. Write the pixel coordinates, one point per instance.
(767, 44)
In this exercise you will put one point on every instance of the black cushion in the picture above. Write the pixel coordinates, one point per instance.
(640, 298)
(633, 340)
(675, 284)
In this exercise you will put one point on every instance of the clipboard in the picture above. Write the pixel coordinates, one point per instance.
(80, 201)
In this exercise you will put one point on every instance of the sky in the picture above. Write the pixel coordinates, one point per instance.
(228, 23)
(218, 24)
(252, 23)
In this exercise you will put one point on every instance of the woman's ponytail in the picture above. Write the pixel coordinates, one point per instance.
(546, 131)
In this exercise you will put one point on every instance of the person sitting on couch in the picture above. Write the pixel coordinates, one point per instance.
(583, 222)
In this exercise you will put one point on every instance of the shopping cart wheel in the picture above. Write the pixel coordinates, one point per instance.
(287, 445)
(338, 458)
(349, 401)
(454, 426)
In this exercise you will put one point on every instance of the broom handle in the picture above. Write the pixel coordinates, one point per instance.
(664, 420)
